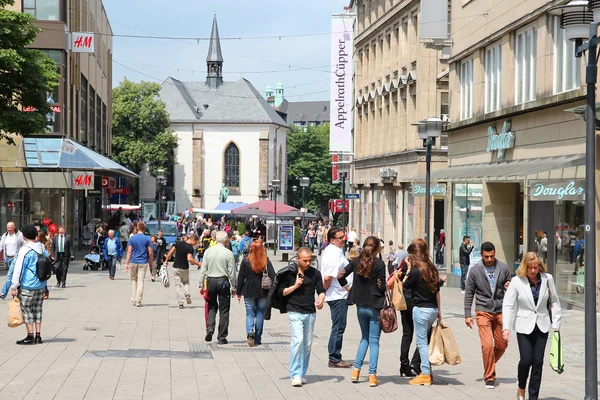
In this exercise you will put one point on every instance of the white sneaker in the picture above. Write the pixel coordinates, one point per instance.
(303, 380)
(296, 381)
(462, 291)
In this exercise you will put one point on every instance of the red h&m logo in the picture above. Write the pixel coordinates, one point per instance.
(83, 41)
(83, 180)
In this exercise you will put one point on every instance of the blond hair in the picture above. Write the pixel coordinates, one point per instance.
(353, 254)
(528, 258)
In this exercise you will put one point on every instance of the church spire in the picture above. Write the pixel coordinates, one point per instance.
(214, 59)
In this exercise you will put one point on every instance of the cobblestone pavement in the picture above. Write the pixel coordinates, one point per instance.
(97, 346)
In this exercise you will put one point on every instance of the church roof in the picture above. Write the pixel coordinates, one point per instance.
(214, 51)
(231, 102)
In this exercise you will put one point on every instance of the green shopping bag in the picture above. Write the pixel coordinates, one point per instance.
(557, 362)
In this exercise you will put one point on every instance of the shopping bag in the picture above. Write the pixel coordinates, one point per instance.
(388, 319)
(451, 353)
(163, 274)
(436, 346)
(398, 300)
(15, 317)
(557, 362)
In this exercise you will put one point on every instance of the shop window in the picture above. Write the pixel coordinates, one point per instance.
(104, 133)
(53, 118)
(466, 220)
(43, 10)
(83, 128)
(567, 67)
(569, 271)
(92, 124)
(101, 142)
(409, 216)
(493, 75)
(232, 166)
(466, 89)
(525, 55)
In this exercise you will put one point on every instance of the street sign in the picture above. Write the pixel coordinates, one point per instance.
(352, 196)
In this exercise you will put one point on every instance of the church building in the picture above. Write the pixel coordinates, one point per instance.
(228, 134)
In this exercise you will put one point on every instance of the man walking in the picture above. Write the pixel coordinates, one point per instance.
(464, 258)
(61, 251)
(217, 281)
(333, 261)
(299, 292)
(139, 254)
(184, 256)
(10, 243)
(161, 248)
(487, 284)
(112, 251)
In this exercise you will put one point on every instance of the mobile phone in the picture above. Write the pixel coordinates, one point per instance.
(300, 275)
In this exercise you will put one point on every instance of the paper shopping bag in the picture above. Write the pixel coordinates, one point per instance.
(436, 346)
(451, 353)
(15, 317)
(398, 300)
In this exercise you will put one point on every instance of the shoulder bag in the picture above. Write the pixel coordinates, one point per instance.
(387, 316)
(266, 281)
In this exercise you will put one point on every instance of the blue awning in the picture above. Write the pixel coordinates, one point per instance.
(229, 206)
(65, 154)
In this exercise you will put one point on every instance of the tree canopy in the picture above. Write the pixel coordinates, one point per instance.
(308, 156)
(141, 133)
(25, 75)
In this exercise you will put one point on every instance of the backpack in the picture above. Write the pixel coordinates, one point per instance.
(246, 248)
(43, 267)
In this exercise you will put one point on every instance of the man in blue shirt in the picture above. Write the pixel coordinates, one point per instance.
(112, 250)
(139, 257)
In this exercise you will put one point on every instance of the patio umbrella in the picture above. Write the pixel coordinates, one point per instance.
(296, 214)
(251, 212)
(264, 207)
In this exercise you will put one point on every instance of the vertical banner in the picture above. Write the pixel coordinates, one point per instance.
(342, 43)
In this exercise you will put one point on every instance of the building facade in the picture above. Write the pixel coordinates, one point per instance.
(82, 112)
(397, 82)
(297, 113)
(228, 135)
(516, 145)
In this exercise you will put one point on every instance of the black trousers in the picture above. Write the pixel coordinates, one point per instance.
(219, 299)
(531, 350)
(408, 329)
(62, 267)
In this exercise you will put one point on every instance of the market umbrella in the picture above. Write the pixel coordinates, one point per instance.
(296, 214)
(251, 212)
(263, 207)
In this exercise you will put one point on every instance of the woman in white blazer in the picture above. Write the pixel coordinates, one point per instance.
(531, 308)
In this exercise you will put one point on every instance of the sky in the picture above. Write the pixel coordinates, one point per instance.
(301, 63)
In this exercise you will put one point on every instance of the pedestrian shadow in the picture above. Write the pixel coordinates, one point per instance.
(60, 340)
(502, 380)
(444, 377)
(321, 378)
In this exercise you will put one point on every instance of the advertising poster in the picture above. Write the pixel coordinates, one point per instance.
(149, 210)
(286, 237)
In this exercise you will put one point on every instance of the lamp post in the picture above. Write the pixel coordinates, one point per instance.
(580, 20)
(160, 177)
(275, 187)
(304, 183)
(429, 129)
(294, 189)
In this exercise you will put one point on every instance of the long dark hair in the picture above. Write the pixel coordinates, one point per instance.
(418, 253)
(366, 259)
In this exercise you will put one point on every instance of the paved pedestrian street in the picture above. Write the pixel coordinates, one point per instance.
(97, 346)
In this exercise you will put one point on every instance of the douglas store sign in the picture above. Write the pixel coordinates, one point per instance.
(552, 191)
(438, 190)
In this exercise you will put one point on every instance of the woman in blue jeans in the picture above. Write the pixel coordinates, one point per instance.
(424, 282)
(367, 293)
(254, 267)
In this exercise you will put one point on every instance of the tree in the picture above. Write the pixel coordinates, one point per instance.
(141, 134)
(25, 76)
(308, 156)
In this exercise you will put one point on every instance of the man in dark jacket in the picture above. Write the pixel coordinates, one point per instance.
(61, 251)
(464, 258)
(487, 284)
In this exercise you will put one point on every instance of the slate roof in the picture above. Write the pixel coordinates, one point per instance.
(214, 51)
(305, 111)
(231, 102)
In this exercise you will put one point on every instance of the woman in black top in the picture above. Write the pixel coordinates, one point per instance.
(255, 267)
(367, 293)
(424, 282)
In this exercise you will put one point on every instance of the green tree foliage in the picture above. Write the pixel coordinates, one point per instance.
(141, 133)
(25, 75)
(308, 156)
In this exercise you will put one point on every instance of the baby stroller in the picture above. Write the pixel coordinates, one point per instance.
(92, 259)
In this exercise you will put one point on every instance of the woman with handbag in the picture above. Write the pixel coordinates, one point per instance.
(531, 307)
(254, 281)
(368, 294)
(424, 282)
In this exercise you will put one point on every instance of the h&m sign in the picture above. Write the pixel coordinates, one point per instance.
(82, 42)
(82, 180)
(562, 190)
(502, 141)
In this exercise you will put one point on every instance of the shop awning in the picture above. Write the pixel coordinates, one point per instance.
(62, 153)
(532, 168)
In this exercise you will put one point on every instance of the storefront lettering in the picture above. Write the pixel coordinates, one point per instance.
(82, 180)
(502, 141)
(570, 190)
(437, 190)
(476, 191)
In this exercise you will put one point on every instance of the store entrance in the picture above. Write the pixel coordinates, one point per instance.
(438, 226)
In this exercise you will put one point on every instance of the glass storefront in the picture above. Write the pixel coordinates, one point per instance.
(466, 220)
(569, 271)
(409, 217)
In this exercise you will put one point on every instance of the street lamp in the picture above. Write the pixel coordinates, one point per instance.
(429, 129)
(275, 187)
(162, 180)
(580, 21)
(304, 182)
(294, 189)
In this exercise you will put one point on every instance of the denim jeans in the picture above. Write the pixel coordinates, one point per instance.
(311, 243)
(368, 319)
(255, 311)
(302, 326)
(112, 265)
(423, 319)
(463, 276)
(11, 269)
(339, 316)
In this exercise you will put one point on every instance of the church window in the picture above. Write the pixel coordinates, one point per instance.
(232, 166)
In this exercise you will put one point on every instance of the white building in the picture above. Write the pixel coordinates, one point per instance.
(227, 134)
